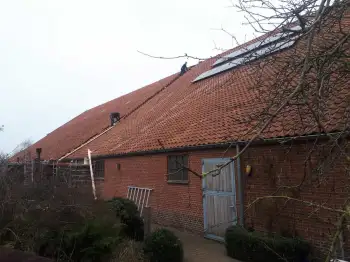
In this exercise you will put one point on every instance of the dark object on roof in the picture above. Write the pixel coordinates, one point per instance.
(173, 110)
(115, 117)
(184, 69)
(38, 152)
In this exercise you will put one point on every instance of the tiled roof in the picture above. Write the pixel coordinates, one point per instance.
(92, 122)
(211, 111)
(214, 110)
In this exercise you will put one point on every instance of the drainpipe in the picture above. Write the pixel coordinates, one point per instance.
(240, 187)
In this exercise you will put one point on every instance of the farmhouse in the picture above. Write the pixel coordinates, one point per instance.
(176, 139)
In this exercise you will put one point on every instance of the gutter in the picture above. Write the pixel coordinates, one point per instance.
(166, 150)
(277, 140)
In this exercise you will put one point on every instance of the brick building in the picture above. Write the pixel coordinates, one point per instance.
(164, 136)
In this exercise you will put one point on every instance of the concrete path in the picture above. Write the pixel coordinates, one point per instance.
(198, 249)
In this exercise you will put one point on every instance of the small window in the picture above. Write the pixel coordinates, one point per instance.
(177, 171)
(99, 168)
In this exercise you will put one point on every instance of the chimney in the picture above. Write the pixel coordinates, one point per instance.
(38, 152)
(115, 117)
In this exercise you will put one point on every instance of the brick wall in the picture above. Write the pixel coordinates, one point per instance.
(276, 166)
(180, 205)
(176, 205)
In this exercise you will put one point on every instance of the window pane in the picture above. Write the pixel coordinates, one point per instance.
(169, 165)
(176, 168)
(185, 171)
(172, 167)
(179, 166)
(99, 167)
(178, 163)
(177, 176)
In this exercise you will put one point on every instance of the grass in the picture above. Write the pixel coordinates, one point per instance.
(129, 251)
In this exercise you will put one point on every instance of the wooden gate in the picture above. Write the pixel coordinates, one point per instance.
(219, 198)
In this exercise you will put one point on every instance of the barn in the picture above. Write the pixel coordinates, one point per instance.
(185, 146)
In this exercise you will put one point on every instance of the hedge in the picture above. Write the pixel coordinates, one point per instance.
(92, 241)
(126, 210)
(163, 246)
(81, 233)
(257, 247)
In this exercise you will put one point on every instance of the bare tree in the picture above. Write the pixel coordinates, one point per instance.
(4, 157)
(25, 144)
(302, 92)
(300, 95)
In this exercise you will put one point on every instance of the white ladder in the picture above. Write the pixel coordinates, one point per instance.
(140, 196)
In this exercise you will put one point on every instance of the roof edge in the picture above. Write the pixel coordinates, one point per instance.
(275, 140)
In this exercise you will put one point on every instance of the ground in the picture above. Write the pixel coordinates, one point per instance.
(10, 255)
(199, 249)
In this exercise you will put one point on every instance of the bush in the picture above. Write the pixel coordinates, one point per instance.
(163, 246)
(94, 240)
(126, 210)
(257, 247)
(64, 225)
(129, 251)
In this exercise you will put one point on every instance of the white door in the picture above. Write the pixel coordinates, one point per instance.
(219, 198)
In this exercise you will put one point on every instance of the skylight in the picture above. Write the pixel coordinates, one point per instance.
(251, 52)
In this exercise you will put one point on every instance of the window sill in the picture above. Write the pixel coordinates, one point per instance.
(181, 182)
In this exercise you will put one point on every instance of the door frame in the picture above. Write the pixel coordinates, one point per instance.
(217, 193)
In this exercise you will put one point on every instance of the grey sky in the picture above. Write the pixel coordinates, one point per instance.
(60, 58)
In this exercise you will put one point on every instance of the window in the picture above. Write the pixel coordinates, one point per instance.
(99, 168)
(177, 171)
(256, 50)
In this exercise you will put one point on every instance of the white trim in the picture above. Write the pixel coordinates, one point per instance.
(84, 144)
(92, 175)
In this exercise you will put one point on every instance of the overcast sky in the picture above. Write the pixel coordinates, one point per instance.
(60, 58)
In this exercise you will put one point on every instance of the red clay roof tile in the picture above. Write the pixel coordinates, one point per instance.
(213, 110)
(92, 122)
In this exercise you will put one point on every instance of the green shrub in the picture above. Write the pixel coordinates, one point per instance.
(65, 228)
(257, 247)
(93, 240)
(129, 251)
(163, 246)
(126, 210)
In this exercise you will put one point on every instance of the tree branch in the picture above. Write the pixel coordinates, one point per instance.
(173, 57)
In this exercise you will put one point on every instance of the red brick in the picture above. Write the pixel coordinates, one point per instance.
(181, 205)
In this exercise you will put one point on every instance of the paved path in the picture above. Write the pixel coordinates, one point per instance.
(198, 249)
